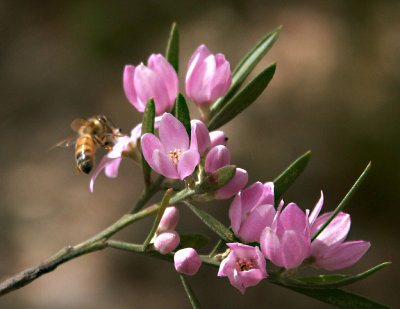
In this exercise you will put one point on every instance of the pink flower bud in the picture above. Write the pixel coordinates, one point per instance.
(218, 157)
(234, 186)
(218, 138)
(166, 242)
(200, 138)
(208, 76)
(157, 80)
(169, 219)
(187, 261)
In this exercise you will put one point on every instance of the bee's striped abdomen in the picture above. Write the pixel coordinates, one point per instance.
(84, 153)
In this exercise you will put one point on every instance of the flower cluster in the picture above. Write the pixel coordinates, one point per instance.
(286, 236)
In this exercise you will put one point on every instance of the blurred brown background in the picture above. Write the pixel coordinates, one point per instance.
(336, 92)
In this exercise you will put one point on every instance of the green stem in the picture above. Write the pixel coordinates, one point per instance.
(189, 292)
(345, 200)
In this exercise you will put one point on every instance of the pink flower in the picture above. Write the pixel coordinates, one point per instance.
(170, 155)
(328, 250)
(187, 261)
(287, 242)
(208, 76)
(124, 146)
(218, 157)
(252, 210)
(166, 242)
(157, 80)
(244, 266)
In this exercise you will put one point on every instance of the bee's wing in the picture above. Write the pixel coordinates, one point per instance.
(77, 123)
(68, 142)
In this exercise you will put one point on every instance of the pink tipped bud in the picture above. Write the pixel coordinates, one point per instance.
(218, 138)
(187, 261)
(218, 157)
(234, 186)
(169, 219)
(166, 242)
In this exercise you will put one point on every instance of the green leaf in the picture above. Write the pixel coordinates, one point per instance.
(340, 298)
(195, 241)
(345, 200)
(189, 292)
(243, 99)
(147, 127)
(221, 230)
(245, 67)
(286, 179)
(172, 53)
(334, 281)
(218, 179)
(182, 112)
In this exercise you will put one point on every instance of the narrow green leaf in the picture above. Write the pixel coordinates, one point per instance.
(218, 179)
(245, 67)
(164, 204)
(287, 178)
(341, 298)
(182, 112)
(147, 127)
(172, 53)
(345, 200)
(195, 241)
(189, 292)
(243, 99)
(216, 226)
(334, 281)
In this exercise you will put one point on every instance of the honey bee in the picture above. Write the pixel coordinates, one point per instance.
(97, 131)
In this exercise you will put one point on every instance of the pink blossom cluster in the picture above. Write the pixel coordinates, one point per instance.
(284, 237)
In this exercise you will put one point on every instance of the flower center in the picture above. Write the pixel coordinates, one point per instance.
(175, 155)
(244, 265)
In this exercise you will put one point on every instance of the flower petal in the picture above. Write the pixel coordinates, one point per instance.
(167, 74)
(235, 213)
(200, 138)
(149, 85)
(333, 235)
(295, 248)
(260, 218)
(173, 134)
(163, 165)
(129, 87)
(218, 138)
(317, 209)
(251, 196)
(150, 143)
(344, 255)
(188, 162)
(103, 163)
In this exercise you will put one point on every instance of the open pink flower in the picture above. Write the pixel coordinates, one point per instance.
(244, 266)
(328, 250)
(252, 210)
(170, 154)
(157, 80)
(208, 76)
(219, 157)
(287, 242)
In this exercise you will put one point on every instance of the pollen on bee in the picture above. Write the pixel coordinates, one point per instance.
(175, 155)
